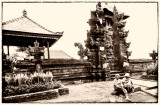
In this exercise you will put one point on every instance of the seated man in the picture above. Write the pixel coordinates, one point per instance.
(127, 85)
(117, 85)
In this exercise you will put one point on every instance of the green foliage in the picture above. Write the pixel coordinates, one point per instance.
(22, 83)
(21, 79)
(17, 90)
(82, 52)
(11, 61)
(22, 49)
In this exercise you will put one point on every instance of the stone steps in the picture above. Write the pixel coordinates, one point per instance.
(113, 75)
(113, 72)
(112, 78)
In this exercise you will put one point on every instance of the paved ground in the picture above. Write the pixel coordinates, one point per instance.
(98, 92)
(144, 84)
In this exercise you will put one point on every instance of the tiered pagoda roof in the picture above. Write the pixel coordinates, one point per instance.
(23, 31)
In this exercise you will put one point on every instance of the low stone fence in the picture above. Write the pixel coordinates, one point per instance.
(42, 95)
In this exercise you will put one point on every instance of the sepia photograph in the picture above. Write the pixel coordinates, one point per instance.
(79, 51)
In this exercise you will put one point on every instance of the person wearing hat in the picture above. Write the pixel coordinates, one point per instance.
(127, 85)
(117, 85)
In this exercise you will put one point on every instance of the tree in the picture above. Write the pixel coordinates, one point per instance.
(82, 52)
(23, 49)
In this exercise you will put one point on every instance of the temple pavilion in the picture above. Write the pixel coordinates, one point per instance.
(23, 32)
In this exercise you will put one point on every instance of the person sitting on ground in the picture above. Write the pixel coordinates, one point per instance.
(117, 85)
(127, 85)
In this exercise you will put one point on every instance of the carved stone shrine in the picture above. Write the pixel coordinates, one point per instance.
(106, 40)
(37, 52)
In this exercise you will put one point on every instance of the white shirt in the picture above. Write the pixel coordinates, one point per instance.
(117, 82)
(127, 81)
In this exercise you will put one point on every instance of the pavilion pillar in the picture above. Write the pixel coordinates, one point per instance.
(8, 49)
(43, 56)
(3, 52)
(44, 50)
(48, 50)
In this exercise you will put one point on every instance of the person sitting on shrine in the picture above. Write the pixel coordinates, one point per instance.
(127, 85)
(117, 85)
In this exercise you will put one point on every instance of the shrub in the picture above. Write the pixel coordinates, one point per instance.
(16, 79)
(20, 79)
(10, 79)
(48, 77)
(21, 83)
(17, 90)
(34, 78)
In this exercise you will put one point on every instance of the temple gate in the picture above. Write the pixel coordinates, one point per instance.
(106, 44)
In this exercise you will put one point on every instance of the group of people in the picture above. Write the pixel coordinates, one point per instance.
(123, 86)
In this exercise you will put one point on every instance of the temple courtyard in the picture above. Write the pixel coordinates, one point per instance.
(34, 73)
(100, 92)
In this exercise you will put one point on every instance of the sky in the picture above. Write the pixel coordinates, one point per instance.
(72, 19)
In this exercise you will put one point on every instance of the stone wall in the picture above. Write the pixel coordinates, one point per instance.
(140, 65)
(62, 69)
